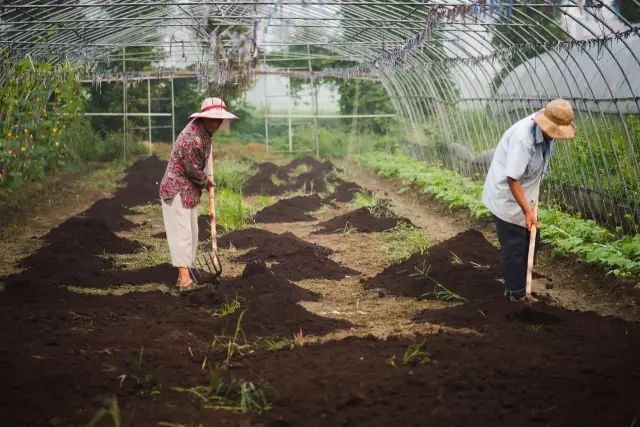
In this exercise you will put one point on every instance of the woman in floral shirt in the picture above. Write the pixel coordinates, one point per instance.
(183, 182)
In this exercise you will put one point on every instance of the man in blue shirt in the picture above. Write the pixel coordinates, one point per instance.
(512, 186)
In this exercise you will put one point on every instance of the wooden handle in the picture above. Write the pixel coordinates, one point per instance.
(532, 250)
(212, 205)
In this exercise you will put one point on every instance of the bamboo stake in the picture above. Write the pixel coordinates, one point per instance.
(532, 249)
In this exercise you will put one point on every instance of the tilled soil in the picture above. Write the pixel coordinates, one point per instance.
(465, 264)
(360, 220)
(293, 209)
(345, 191)
(482, 362)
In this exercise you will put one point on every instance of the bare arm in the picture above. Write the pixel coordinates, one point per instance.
(516, 189)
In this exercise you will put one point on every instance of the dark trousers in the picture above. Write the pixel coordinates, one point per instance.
(514, 251)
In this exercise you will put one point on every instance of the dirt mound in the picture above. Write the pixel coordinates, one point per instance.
(361, 220)
(466, 264)
(345, 191)
(296, 259)
(290, 210)
(269, 180)
(245, 238)
(273, 180)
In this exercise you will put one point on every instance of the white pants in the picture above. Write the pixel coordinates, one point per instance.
(181, 226)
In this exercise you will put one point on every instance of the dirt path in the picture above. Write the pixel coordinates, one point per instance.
(325, 322)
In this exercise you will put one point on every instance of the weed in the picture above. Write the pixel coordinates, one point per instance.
(348, 229)
(242, 396)
(228, 307)
(274, 343)
(110, 409)
(232, 175)
(232, 345)
(232, 211)
(403, 241)
(413, 355)
(455, 259)
(145, 383)
(439, 291)
(299, 339)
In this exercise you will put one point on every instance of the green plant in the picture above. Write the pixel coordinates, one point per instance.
(232, 175)
(348, 229)
(413, 355)
(236, 395)
(227, 308)
(111, 409)
(144, 382)
(232, 212)
(455, 259)
(237, 344)
(274, 343)
(402, 241)
(439, 291)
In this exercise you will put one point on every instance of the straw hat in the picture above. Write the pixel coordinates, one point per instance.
(213, 108)
(556, 119)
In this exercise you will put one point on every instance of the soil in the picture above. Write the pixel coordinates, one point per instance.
(484, 362)
(345, 191)
(465, 264)
(314, 179)
(361, 220)
(290, 210)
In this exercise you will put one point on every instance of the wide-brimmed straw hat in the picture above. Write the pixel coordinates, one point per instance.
(556, 119)
(213, 108)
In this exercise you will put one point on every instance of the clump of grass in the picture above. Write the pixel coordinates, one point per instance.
(232, 211)
(144, 382)
(236, 395)
(439, 291)
(402, 241)
(348, 229)
(379, 207)
(232, 174)
(227, 308)
(237, 344)
(111, 410)
(414, 355)
(455, 259)
(274, 343)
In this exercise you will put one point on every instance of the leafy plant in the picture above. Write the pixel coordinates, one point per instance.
(232, 345)
(274, 343)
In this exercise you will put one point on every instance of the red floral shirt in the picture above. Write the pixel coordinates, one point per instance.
(185, 172)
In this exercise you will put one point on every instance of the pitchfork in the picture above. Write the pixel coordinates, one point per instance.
(209, 261)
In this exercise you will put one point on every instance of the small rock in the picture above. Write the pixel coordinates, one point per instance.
(548, 285)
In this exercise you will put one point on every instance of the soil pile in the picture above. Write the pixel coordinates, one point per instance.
(361, 220)
(293, 209)
(345, 191)
(292, 257)
(270, 180)
(273, 180)
(466, 264)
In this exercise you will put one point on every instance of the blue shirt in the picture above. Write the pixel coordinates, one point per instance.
(523, 155)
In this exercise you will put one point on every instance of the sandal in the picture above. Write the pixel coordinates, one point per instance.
(186, 288)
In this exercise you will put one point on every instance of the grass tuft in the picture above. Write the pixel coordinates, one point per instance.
(403, 241)
(232, 174)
